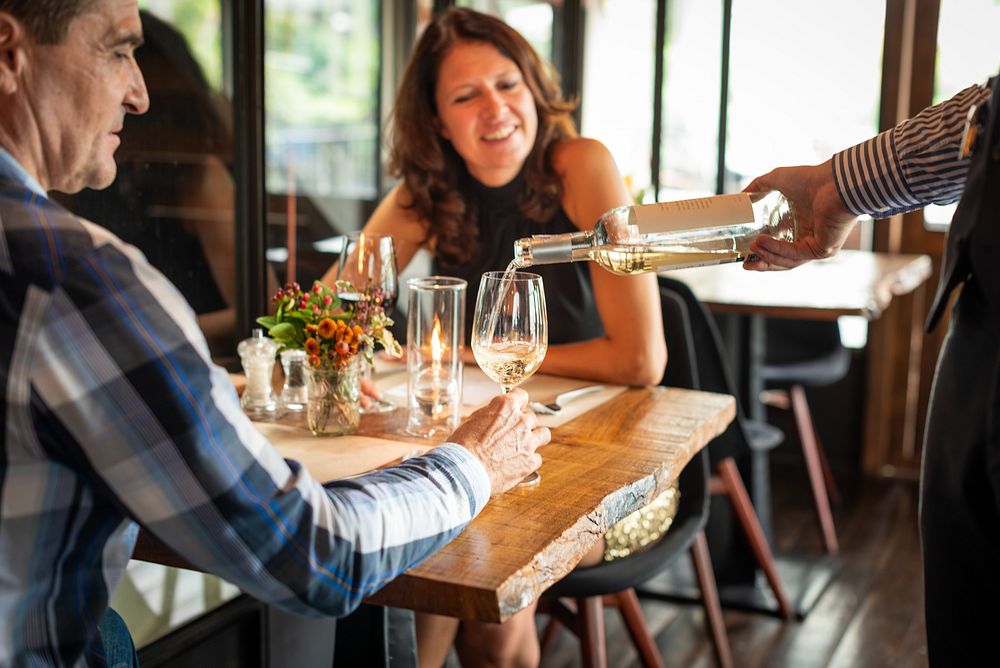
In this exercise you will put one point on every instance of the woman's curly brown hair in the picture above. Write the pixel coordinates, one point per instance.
(428, 164)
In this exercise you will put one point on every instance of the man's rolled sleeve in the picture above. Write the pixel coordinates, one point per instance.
(133, 404)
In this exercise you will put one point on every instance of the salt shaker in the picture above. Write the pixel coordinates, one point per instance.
(293, 394)
(257, 356)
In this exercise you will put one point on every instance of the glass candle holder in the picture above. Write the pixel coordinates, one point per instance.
(435, 340)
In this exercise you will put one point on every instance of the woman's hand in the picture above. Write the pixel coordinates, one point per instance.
(369, 394)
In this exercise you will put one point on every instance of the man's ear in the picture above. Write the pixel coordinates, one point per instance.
(12, 42)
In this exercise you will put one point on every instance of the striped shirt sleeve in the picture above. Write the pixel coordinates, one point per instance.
(132, 402)
(910, 166)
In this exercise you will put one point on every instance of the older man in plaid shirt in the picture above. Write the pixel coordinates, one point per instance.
(113, 415)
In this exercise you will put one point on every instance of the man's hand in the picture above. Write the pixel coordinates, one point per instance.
(823, 221)
(504, 434)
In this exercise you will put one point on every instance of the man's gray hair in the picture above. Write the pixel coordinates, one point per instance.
(47, 20)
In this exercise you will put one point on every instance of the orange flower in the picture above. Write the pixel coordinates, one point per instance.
(314, 361)
(326, 328)
(312, 346)
(311, 328)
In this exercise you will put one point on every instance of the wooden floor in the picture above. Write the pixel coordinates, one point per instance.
(871, 614)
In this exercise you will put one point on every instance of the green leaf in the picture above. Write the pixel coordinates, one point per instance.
(267, 321)
(282, 331)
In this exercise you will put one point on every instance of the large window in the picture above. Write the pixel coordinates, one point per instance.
(965, 29)
(803, 83)
(322, 64)
(618, 84)
(534, 20)
(692, 89)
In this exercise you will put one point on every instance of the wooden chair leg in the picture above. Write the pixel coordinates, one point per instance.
(628, 604)
(591, 631)
(710, 597)
(806, 424)
(740, 500)
(817, 466)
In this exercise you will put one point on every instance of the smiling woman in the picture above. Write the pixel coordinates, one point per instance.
(486, 151)
(486, 111)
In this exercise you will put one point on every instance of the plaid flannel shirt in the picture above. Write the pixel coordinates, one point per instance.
(115, 417)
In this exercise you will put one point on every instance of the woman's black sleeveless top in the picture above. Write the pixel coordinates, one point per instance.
(569, 295)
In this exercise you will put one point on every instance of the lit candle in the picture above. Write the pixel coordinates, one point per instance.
(435, 387)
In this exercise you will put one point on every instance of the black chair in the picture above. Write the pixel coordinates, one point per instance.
(703, 344)
(613, 582)
(803, 353)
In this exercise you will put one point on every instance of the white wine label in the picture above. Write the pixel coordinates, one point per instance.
(691, 214)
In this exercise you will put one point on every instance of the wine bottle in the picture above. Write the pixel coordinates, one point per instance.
(668, 235)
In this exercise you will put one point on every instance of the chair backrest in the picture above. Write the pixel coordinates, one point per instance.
(807, 352)
(682, 364)
(791, 341)
(697, 343)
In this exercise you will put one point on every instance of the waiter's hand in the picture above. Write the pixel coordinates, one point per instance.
(823, 221)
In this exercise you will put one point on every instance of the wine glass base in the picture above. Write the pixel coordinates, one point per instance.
(530, 480)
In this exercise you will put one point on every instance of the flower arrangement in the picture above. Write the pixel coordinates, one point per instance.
(330, 329)
(337, 334)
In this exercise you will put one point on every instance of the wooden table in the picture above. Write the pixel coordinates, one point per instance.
(856, 283)
(599, 467)
(852, 283)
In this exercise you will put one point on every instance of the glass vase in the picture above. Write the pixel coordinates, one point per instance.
(334, 399)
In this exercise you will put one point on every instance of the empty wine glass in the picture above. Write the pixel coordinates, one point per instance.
(510, 329)
(368, 261)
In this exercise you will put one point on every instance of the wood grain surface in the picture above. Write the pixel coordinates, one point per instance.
(850, 283)
(599, 467)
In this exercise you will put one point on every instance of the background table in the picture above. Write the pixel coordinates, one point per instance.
(852, 283)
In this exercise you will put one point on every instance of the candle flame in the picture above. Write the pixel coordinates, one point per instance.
(437, 345)
(361, 255)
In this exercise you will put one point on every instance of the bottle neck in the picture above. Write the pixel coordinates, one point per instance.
(553, 248)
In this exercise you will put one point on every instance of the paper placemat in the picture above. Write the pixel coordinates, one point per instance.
(335, 457)
(478, 390)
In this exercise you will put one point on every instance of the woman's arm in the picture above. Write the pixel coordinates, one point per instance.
(632, 350)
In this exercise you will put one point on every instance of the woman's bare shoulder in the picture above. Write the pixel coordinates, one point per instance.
(580, 153)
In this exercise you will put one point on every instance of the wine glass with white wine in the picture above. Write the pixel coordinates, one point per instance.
(510, 330)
